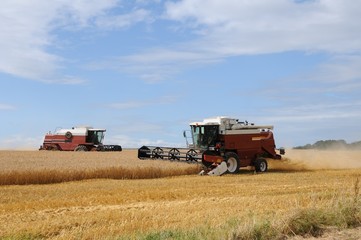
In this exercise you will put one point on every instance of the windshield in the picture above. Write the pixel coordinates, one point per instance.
(204, 136)
(95, 137)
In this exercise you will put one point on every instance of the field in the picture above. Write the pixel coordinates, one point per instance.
(33, 167)
(121, 197)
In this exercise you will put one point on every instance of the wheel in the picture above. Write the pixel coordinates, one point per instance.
(81, 148)
(261, 165)
(68, 135)
(174, 154)
(52, 147)
(157, 153)
(55, 148)
(117, 148)
(233, 163)
(191, 155)
(100, 148)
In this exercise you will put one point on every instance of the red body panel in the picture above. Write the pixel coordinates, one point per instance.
(212, 158)
(247, 146)
(65, 144)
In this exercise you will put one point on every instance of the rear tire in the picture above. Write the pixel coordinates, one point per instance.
(52, 147)
(261, 165)
(81, 148)
(233, 163)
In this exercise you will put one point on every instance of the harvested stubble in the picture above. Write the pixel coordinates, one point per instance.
(240, 206)
(244, 206)
(31, 167)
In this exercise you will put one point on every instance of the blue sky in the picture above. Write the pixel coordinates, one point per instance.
(145, 69)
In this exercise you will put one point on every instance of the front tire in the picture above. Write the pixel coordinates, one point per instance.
(261, 165)
(233, 163)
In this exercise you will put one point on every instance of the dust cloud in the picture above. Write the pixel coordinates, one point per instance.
(298, 160)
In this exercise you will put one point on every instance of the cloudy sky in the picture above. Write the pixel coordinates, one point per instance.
(144, 69)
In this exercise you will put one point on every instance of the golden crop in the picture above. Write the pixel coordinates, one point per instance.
(204, 207)
(30, 167)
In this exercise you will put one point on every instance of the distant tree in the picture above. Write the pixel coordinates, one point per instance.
(356, 145)
(331, 144)
(307, 146)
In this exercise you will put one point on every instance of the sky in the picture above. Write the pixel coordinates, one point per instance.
(144, 70)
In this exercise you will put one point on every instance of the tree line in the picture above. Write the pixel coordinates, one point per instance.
(331, 144)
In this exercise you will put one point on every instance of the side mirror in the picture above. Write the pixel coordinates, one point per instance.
(184, 134)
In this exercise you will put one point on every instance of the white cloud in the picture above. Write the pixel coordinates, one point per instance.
(82, 12)
(26, 34)
(28, 31)
(23, 39)
(69, 80)
(334, 81)
(21, 142)
(158, 64)
(307, 122)
(222, 29)
(255, 27)
(309, 114)
(145, 2)
(138, 104)
(342, 68)
(130, 142)
(6, 107)
(123, 21)
(127, 105)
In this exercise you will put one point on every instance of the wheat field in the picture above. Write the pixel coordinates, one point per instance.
(31, 167)
(242, 206)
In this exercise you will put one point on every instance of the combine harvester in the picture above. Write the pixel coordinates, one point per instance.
(222, 145)
(77, 139)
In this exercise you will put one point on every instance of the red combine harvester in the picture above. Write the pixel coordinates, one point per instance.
(223, 145)
(77, 139)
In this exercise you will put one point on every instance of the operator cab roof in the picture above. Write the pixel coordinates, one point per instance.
(81, 130)
(212, 121)
(227, 123)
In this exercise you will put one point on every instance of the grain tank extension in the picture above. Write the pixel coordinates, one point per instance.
(222, 144)
(77, 139)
